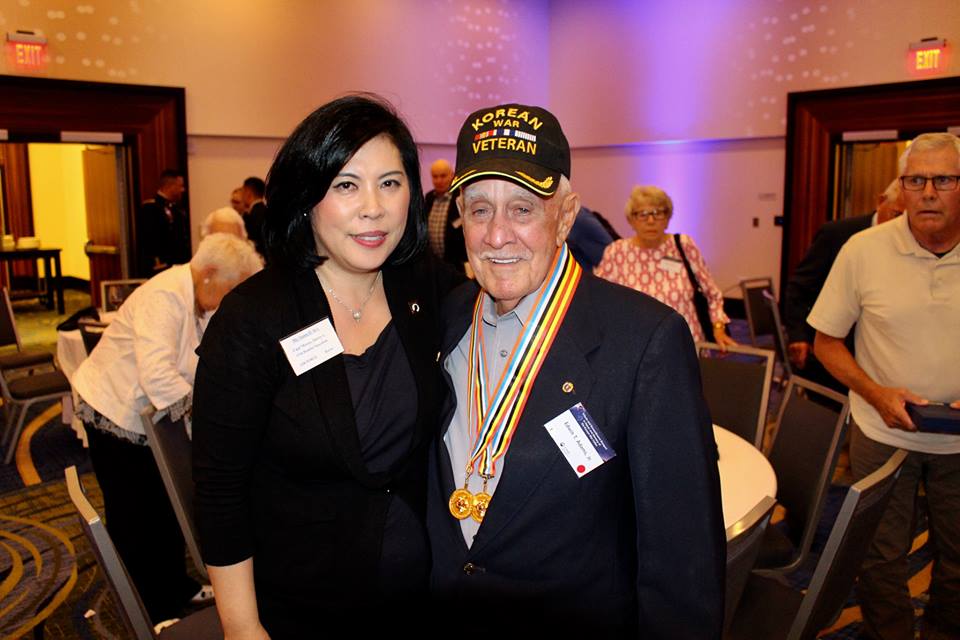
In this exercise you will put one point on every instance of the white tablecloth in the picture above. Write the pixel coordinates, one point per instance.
(746, 476)
(70, 353)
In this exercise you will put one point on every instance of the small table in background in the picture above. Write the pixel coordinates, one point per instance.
(51, 268)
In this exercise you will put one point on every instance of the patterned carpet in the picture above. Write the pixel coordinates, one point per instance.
(51, 585)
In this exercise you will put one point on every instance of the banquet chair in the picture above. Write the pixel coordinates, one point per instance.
(91, 331)
(172, 449)
(779, 336)
(743, 544)
(736, 386)
(759, 318)
(9, 336)
(202, 625)
(803, 455)
(19, 394)
(772, 610)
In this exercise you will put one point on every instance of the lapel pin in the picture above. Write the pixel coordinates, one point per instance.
(567, 387)
(438, 356)
(414, 307)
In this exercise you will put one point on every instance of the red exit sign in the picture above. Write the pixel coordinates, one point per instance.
(928, 57)
(27, 52)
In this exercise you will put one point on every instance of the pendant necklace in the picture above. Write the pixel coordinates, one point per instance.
(356, 313)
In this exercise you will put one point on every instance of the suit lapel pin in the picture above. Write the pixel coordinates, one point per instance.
(438, 356)
(414, 307)
(567, 387)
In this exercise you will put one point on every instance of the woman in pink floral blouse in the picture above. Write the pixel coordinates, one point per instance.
(651, 262)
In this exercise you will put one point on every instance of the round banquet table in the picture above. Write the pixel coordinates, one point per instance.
(746, 476)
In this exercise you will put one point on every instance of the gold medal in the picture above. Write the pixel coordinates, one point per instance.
(462, 504)
(481, 502)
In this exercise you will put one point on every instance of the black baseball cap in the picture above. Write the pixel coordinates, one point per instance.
(518, 142)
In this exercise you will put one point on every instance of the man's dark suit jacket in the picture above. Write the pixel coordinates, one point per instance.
(636, 545)
(161, 237)
(279, 472)
(804, 286)
(454, 250)
(253, 223)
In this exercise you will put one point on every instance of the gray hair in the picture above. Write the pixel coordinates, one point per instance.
(234, 259)
(651, 194)
(223, 215)
(929, 142)
(564, 188)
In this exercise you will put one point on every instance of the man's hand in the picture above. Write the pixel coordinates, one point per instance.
(891, 404)
(797, 352)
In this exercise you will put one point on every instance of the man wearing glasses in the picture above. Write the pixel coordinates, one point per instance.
(900, 284)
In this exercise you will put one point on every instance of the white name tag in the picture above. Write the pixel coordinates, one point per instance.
(670, 265)
(579, 439)
(311, 346)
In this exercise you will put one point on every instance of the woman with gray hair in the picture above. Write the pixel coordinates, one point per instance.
(223, 220)
(666, 266)
(147, 356)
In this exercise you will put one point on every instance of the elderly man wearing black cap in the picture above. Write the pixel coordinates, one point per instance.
(575, 485)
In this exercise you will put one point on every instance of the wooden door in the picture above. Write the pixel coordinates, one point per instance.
(104, 216)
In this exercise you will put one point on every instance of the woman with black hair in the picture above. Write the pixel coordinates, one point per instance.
(318, 390)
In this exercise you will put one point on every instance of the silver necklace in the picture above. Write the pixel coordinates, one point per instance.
(356, 313)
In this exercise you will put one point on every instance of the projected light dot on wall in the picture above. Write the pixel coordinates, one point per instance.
(56, 15)
(86, 62)
(24, 3)
(60, 59)
(81, 36)
(61, 36)
(114, 20)
(85, 9)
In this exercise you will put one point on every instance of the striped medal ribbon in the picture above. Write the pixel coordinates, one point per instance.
(494, 417)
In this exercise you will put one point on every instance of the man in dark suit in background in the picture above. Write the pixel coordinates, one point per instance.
(444, 226)
(256, 211)
(807, 280)
(562, 515)
(163, 228)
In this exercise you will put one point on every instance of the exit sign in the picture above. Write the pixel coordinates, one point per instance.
(26, 51)
(928, 57)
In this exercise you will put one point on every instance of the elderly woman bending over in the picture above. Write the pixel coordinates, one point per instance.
(147, 357)
(653, 262)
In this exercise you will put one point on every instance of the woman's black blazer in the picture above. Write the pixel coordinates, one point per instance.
(277, 461)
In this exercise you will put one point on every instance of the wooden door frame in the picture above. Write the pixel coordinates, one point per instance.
(816, 121)
(152, 120)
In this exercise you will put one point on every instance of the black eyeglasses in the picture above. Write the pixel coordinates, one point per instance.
(656, 214)
(919, 183)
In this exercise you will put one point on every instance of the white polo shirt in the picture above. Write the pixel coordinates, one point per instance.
(906, 304)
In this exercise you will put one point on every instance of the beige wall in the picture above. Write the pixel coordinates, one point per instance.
(624, 71)
(59, 205)
(217, 166)
(255, 68)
